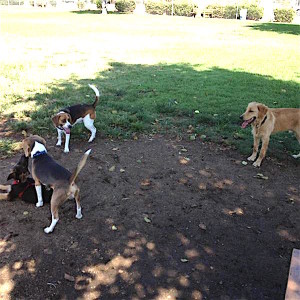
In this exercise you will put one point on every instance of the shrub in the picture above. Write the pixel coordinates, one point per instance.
(125, 6)
(229, 12)
(184, 9)
(284, 15)
(254, 12)
(160, 8)
(218, 11)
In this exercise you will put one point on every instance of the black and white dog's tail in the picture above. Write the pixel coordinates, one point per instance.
(97, 95)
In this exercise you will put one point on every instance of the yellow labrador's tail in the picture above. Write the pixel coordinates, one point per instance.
(81, 164)
(97, 95)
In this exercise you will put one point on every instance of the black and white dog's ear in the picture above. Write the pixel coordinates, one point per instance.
(11, 176)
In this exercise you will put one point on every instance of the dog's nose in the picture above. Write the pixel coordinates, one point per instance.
(70, 126)
(241, 117)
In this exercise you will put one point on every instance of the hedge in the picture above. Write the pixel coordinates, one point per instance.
(284, 15)
(229, 12)
(125, 6)
(179, 9)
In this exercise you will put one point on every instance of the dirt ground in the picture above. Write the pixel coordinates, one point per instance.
(162, 219)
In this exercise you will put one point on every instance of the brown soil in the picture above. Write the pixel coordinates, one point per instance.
(156, 226)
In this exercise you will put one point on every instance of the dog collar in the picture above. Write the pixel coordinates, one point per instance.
(264, 120)
(38, 153)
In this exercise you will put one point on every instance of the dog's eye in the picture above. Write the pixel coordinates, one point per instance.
(251, 111)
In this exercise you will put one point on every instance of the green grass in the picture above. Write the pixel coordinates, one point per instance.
(153, 73)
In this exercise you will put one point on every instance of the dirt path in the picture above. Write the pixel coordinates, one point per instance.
(156, 225)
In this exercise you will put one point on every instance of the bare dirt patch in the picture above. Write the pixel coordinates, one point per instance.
(162, 219)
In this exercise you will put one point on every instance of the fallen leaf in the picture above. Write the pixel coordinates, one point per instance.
(69, 277)
(147, 220)
(203, 136)
(115, 149)
(261, 176)
(48, 251)
(122, 170)
(114, 227)
(25, 213)
(192, 137)
(197, 111)
(146, 182)
(244, 163)
(111, 169)
(184, 260)
(202, 226)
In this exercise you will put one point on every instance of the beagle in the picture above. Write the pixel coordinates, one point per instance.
(46, 171)
(67, 117)
(22, 186)
(266, 121)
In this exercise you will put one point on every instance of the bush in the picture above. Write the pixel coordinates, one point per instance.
(218, 11)
(183, 9)
(229, 12)
(160, 8)
(125, 6)
(284, 15)
(254, 12)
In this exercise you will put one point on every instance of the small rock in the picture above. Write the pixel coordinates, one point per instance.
(48, 251)
(69, 277)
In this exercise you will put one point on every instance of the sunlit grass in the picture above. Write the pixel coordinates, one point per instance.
(153, 72)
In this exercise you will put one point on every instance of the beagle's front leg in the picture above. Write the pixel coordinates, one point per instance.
(59, 134)
(38, 189)
(67, 142)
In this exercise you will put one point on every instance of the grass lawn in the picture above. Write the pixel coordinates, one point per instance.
(153, 73)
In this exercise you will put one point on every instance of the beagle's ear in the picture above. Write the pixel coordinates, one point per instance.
(262, 110)
(26, 147)
(55, 120)
(11, 176)
(39, 139)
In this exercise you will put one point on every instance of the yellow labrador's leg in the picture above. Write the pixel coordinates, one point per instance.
(263, 150)
(256, 141)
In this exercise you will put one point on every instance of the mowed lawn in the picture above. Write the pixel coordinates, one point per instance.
(153, 72)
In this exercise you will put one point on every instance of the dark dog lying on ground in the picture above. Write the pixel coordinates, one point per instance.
(23, 186)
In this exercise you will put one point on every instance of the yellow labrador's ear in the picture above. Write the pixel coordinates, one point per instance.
(262, 110)
(55, 120)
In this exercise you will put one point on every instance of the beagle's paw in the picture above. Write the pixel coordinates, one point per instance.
(48, 230)
(79, 216)
(66, 150)
(39, 204)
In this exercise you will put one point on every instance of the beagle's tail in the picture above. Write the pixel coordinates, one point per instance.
(80, 165)
(97, 95)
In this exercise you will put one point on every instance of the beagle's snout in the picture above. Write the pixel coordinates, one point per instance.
(70, 126)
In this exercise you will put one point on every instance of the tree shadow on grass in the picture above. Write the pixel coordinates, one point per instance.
(170, 99)
(279, 28)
